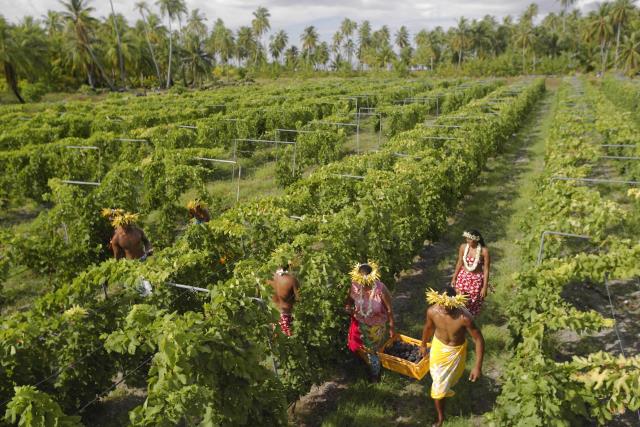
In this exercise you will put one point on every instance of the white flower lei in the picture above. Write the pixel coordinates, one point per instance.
(471, 268)
(359, 302)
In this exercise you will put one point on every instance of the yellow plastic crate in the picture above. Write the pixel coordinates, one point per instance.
(401, 366)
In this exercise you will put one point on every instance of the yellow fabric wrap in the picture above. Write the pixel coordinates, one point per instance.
(446, 365)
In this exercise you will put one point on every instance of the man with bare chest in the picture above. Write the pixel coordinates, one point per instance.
(128, 240)
(448, 321)
(285, 295)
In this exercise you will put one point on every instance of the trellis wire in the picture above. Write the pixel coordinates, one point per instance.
(67, 181)
(407, 155)
(620, 157)
(595, 180)
(124, 377)
(442, 126)
(444, 138)
(234, 163)
(619, 145)
(348, 176)
(75, 362)
(555, 233)
(130, 140)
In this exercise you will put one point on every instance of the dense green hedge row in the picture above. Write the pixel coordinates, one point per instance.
(212, 365)
(537, 389)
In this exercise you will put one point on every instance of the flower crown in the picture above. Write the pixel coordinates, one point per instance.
(470, 236)
(434, 297)
(195, 204)
(111, 212)
(124, 219)
(365, 279)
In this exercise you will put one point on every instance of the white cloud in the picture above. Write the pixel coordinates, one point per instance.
(294, 15)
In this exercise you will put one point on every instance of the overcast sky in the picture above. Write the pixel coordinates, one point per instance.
(294, 15)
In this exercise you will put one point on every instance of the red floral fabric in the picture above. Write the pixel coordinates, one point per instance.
(470, 284)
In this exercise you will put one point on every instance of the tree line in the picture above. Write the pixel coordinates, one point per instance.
(169, 44)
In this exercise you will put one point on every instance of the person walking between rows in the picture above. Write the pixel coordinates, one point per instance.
(448, 321)
(198, 211)
(369, 304)
(128, 241)
(286, 292)
(471, 276)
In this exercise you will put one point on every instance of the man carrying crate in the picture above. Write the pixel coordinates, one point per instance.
(448, 321)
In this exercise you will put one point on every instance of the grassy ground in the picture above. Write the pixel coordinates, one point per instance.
(495, 206)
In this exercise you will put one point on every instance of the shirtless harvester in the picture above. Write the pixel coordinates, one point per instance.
(285, 294)
(448, 321)
(128, 240)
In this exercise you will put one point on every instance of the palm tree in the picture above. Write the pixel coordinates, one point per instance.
(631, 53)
(566, 4)
(260, 24)
(21, 49)
(291, 57)
(116, 51)
(461, 39)
(321, 55)
(309, 40)
(402, 37)
(142, 8)
(599, 28)
(524, 38)
(52, 23)
(171, 9)
(364, 40)
(246, 43)
(195, 23)
(336, 42)
(278, 44)
(621, 11)
(123, 76)
(79, 27)
(194, 58)
(347, 27)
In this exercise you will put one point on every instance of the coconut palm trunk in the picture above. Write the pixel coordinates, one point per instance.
(170, 56)
(100, 68)
(153, 55)
(123, 75)
(602, 55)
(12, 80)
(617, 46)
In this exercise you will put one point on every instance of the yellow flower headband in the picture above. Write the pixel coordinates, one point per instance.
(197, 203)
(365, 279)
(124, 220)
(111, 212)
(434, 297)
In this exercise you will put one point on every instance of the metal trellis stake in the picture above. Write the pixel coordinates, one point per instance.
(555, 233)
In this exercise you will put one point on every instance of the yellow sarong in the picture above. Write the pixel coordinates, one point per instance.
(446, 364)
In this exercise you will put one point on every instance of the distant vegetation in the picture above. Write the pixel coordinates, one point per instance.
(66, 49)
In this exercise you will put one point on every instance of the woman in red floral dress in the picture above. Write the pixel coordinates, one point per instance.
(471, 276)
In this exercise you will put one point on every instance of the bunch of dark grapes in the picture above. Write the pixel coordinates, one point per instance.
(404, 350)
